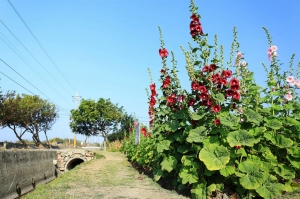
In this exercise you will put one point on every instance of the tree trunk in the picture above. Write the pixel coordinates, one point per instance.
(104, 144)
(49, 145)
(19, 137)
(85, 140)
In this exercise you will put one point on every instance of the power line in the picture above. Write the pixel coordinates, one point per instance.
(34, 57)
(25, 88)
(36, 72)
(39, 43)
(27, 81)
(17, 83)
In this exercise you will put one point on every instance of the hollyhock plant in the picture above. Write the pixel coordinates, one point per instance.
(223, 136)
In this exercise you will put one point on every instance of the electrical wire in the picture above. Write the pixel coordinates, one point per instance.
(39, 43)
(36, 72)
(34, 58)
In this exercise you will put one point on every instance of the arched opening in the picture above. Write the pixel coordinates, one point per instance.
(73, 163)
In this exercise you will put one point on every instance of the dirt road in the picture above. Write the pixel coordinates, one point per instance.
(109, 177)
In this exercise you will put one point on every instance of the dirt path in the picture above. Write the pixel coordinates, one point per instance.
(109, 177)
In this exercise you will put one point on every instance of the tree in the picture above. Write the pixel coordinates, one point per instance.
(40, 115)
(94, 118)
(11, 117)
(125, 125)
(28, 114)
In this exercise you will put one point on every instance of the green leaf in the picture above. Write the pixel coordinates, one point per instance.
(215, 157)
(295, 152)
(279, 140)
(269, 188)
(219, 97)
(227, 170)
(257, 131)
(253, 116)
(195, 116)
(199, 190)
(172, 126)
(208, 172)
(229, 120)
(163, 145)
(169, 163)
(291, 186)
(157, 174)
(241, 138)
(197, 135)
(252, 177)
(285, 171)
(210, 189)
(183, 149)
(188, 176)
(294, 161)
(274, 124)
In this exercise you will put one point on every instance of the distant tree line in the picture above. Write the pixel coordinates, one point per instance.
(27, 114)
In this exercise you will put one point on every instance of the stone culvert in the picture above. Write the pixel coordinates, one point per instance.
(69, 158)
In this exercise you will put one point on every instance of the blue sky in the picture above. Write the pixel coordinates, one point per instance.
(103, 48)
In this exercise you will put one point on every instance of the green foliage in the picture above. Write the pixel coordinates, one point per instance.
(221, 135)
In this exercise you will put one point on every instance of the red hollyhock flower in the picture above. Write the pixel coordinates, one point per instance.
(195, 18)
(194, 33)
(202, 89)
(217, 122)
(216, 108)
(152, 87)
(213, 66)
(153, 92)
(234, 106)
(236, 95)
(216, 77)
(234, 81)
(144, 131)
(237, 147)
(130, 129)
(226, 73)
(163, 53)
(191, 102)
(223, 81)
(204, 96)
(235, 87)
(162, 71)
(209, 102)
(170, 99)
(206, 69)
(152, 101)
(229, 93)
(195, 85)
(194, 122)
(167, 82)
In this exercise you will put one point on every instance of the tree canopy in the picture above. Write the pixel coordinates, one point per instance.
(96, 118)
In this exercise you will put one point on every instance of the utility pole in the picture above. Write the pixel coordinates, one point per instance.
(77, 98)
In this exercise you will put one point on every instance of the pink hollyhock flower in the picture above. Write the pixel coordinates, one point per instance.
(289, 78)
(244, 63)
(289, 92)
(239, 55)
(292, 83)
(297, 81)
(274, 48)
(135, 124)
(288, 97)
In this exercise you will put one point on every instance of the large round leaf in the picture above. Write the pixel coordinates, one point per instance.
(251, 178)
(253, 116)
(215, 157)
(279, 140)
(197, 135)
(285, 171)
(241, 138)
(269, 188)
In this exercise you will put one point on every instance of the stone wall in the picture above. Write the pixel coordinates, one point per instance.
(69, 158)
(22, 170)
